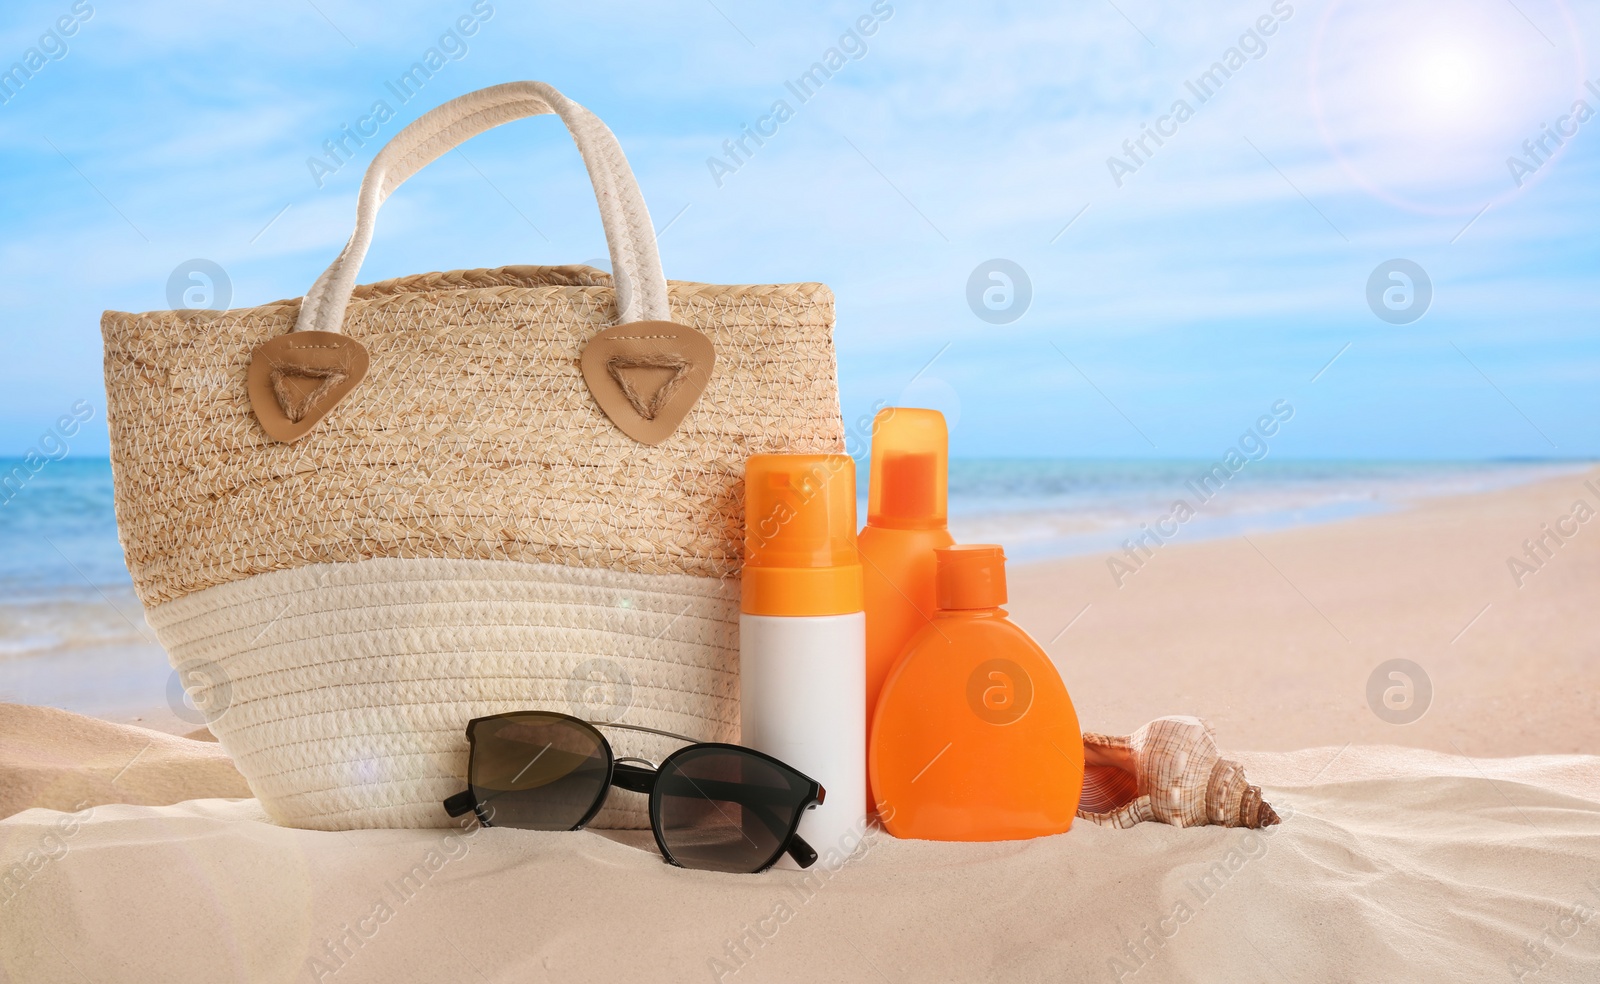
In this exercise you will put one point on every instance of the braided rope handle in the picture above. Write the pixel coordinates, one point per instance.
(640, 284)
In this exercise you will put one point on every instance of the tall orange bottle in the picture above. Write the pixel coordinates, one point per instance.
(974, 737)
(906, 521)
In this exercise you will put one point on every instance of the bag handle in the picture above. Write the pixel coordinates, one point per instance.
(640, 284)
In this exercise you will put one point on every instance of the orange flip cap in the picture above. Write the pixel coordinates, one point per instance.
(971, 575)
(910, 469)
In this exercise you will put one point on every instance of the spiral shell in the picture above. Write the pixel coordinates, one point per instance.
(1168, 771)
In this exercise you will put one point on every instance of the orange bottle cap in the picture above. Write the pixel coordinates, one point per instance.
(800, 535)
(971, 575)
(910, 469)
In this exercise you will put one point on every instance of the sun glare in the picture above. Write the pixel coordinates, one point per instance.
(1446, 80)
(1422, 108)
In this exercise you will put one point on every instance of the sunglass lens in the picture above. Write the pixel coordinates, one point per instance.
(538, 771)
(722, 809)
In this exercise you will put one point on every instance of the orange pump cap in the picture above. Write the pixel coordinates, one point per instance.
(971, 575)
(800, 536)
(907, 488)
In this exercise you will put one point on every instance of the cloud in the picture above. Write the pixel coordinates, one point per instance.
(1234, 255)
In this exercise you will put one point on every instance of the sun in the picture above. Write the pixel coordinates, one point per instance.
(1421, 103)
(1447, 79)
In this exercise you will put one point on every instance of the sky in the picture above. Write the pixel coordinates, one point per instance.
(1150, 300)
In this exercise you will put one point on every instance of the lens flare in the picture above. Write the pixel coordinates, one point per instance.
(1423, 111)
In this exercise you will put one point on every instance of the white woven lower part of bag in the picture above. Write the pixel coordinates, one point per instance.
(344, 688)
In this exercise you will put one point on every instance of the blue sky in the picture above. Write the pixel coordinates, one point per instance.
(1225, 272)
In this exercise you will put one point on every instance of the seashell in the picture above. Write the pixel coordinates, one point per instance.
(1169, 771)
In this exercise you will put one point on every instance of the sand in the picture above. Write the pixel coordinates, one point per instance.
(1391, 864)
(1448, 860)
(1273, 637)
(60, 761)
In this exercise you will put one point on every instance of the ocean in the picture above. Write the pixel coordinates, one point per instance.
(1043, 509)
(72, 633)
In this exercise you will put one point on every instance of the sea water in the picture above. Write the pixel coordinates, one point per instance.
(1042, 509)
(73, 635)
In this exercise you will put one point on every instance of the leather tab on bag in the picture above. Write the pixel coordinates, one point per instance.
(295, 379)
(647, 375)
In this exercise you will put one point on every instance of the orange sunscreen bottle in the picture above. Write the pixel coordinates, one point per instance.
(906, 507)
(974, 737)
(802, 635)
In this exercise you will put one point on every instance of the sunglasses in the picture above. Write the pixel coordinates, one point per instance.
(713, 806)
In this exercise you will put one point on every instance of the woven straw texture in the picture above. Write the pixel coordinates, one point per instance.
(473, 435)
(342, 691)
(465, 534)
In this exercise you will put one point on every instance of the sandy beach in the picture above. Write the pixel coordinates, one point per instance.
(1390, 864)
(1469, 855)
(1272, 637)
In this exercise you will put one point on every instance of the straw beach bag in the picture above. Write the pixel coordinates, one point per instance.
(360, 519)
